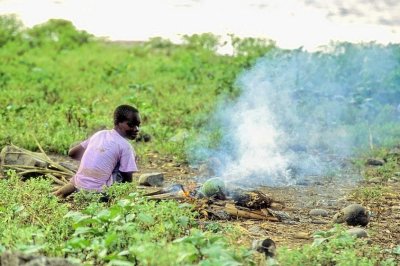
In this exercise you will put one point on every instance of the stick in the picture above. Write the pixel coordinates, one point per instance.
(232, 210)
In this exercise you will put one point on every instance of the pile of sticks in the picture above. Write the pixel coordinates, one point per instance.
(246, 204)
(29, 164)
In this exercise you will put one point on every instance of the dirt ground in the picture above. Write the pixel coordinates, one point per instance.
(327, 194)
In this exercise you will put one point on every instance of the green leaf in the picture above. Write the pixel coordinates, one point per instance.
(183, 221)
(110, 239)
(145, 218)
(31, 248)
(78, 243)
(104, 215)
(83, 230)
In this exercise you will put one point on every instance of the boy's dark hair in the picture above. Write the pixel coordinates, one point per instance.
(121, 113)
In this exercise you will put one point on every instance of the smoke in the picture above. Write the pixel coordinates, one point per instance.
(304, 114)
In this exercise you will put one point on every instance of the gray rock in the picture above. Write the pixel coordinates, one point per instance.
(318, 212)
(357, 232)
(354, 214)
(375, 162)
(151, 179)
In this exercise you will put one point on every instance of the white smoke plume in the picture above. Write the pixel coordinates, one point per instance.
(303, 114)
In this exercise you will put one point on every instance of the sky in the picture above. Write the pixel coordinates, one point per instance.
(290, 23)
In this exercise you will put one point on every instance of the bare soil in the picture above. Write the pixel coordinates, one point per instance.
(329, 194)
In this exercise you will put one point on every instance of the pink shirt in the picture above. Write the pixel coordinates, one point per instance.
(103, 151)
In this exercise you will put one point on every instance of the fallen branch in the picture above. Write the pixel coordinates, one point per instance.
(27, 164)
(234, 211)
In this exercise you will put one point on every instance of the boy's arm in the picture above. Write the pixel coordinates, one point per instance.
(76, 152)
(126, 177)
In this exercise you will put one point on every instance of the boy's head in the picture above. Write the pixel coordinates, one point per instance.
(127, 121)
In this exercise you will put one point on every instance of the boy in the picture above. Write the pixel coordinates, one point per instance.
(107, 156)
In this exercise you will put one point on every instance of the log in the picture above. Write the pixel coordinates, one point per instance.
(234, 211)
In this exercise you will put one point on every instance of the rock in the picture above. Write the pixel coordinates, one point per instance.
(375, 162)
(318, 212)
(302, 235)
(266, 246)
(151, 179)
(143, 137)
(357, 232)
(281, 215)
(354, 214)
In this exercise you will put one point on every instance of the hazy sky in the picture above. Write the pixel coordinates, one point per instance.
(291, 23)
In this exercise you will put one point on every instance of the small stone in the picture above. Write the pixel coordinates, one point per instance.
(375, 162)
(152, 179)
(302, 235)
(354, 214)
(357, 232)
(318, 212)
(319, 222)
(266, 246)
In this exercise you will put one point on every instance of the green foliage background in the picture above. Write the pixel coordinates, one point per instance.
(61, 85)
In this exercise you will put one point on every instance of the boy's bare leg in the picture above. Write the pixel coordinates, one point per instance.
(65, 190)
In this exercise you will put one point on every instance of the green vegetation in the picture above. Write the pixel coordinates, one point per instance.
(59, 85)
(67, 84)
(336, 247)
(128, 229)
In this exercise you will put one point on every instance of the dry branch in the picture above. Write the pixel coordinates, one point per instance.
(29, 164)
(235, 211)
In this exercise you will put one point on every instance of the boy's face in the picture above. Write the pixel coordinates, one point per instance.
(130, 128)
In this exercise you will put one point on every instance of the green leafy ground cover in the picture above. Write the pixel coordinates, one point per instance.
(59, 85)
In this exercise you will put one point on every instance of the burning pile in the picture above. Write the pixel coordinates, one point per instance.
(214, 200)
